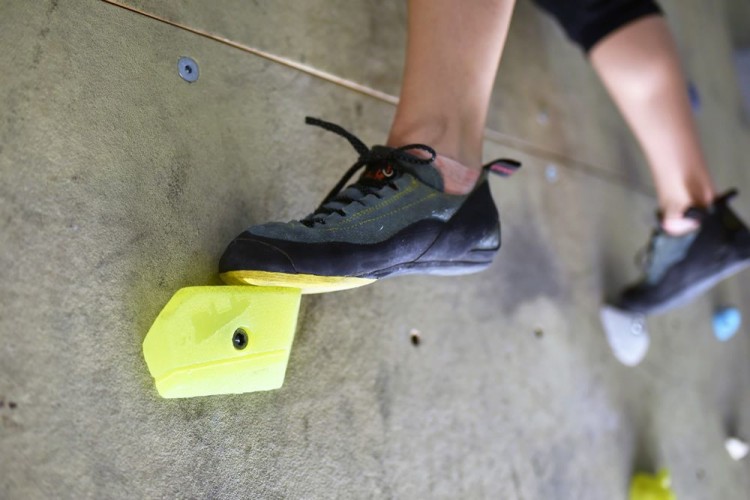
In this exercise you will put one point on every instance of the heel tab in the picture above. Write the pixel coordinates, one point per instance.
(725, 197)
(503, 167)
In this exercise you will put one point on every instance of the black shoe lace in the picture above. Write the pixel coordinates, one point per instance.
(371, 158)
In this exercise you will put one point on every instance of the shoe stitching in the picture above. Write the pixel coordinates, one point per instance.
(405, 207)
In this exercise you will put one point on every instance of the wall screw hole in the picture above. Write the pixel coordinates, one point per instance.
(415, 336)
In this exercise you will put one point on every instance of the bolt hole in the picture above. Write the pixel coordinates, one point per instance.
(539, 333)
(415, 336)
(239, 339)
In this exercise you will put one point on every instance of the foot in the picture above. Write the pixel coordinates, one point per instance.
(395, 219)
(679, 268)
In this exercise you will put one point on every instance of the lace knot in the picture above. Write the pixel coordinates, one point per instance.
(386, 161)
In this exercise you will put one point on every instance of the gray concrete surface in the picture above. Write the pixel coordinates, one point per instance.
(122, 183)
(565, 90)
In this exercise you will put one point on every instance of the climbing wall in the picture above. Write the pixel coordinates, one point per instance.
(120, 182)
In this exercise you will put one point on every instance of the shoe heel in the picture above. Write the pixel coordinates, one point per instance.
(743, 243)
(481, 255)
(472, 235)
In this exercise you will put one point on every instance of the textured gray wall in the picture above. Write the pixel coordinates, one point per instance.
(121, 183)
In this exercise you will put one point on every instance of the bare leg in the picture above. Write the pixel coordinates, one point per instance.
(452, 56)
(640, 68)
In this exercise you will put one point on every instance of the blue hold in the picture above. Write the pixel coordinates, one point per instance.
(726, 323)
(695, 97)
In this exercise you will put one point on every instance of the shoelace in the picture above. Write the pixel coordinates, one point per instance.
(375, 159)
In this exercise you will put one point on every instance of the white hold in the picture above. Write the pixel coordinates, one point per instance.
(627, 335)
(736, 448)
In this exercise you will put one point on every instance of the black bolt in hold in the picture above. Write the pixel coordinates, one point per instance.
(188, 69)
(239, 339)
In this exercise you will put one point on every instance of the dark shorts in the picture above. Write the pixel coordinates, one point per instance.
(588, 21)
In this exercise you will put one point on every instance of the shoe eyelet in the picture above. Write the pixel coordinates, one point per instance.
(388, 171)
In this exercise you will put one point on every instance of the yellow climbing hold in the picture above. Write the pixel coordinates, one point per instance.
(222, 340)
(652, 487)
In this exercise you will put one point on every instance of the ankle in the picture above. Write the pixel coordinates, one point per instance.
(679, 225)
(674, 221)
(458, 160)
(457, 178)
(450, 139)
(677, 193)
(677, 202)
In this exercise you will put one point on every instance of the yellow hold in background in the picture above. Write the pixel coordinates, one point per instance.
(652, 487)
(222, 340)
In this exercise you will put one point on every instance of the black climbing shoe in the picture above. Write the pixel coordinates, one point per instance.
(679, 268)
(395, 219)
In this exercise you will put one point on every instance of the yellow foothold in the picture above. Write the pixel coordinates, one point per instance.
(652, 487)
(222, 340)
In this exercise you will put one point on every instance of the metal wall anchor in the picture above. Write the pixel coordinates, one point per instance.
(188, 69)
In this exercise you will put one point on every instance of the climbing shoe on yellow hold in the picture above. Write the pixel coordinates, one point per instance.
(395, 219)
(222, 340)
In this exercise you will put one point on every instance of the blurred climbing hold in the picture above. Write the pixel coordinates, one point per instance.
(726, 322)
(736, 448)
(652, 487)
(695, 97)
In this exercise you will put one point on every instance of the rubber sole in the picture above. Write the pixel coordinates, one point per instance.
(433, 269)
(697, 289)
(311, 283)
(307, 283)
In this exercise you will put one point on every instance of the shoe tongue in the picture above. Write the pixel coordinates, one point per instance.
(426, 173)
